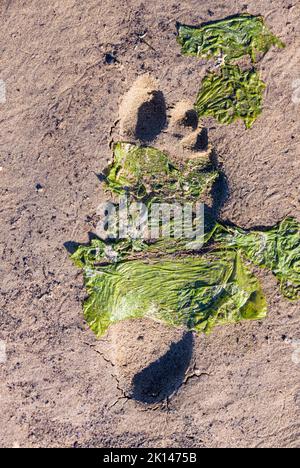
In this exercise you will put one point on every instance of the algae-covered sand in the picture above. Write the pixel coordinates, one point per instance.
(67, 66)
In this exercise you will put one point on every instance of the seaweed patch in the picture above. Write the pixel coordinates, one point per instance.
(169, 279)
(231, 38)
(231, 94)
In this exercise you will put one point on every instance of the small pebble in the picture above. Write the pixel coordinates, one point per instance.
(39, 188)
(110, 59)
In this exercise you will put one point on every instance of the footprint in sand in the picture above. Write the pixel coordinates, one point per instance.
(152, 360)
(143, 118)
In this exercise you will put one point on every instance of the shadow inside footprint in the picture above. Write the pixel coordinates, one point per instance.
(152, 117)
(164, 376)
(71, 246)
(201, 142)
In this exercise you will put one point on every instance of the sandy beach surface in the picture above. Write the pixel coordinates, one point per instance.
(65, 66)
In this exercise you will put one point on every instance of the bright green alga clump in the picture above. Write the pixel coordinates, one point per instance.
(147, 173)
(167, 279)
(195, 292)
(231, 94)
(134, 279)
(276, 248)
(230, 38)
